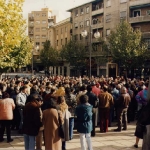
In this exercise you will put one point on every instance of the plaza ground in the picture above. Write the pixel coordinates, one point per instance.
(102, 141)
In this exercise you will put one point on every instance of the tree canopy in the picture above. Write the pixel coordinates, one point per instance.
(11, 28)
(127, 47)
(48, 55)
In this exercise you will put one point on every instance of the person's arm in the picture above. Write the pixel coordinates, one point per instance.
(138, 97)
(13, 104)
(18, 100)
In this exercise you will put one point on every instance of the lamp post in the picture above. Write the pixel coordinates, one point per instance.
(96, 35)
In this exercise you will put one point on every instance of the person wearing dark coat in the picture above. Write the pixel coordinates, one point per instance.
(31, 121)
(84, 122)
(93, 100)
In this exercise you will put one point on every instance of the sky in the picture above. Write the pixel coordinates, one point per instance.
(59, 7)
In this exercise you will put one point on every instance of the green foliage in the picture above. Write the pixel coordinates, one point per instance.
(74, 53)
(127, 47)
(48, 56)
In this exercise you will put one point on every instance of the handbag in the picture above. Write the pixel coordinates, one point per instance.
(60, 128)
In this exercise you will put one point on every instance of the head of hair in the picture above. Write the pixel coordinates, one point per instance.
(83, 99)
(123, 90)
(105, 88)
(36, 97)
(146, 83)
(5, 95)
(23, 88)
(60, 99)
(83, 88)
(89, 88)
(51, 104)
(67, 90)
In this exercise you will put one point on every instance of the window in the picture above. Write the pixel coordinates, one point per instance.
(76, 37)
(43, 36)
(82, 11)
(148, 42)
(136, 28)
(87, 22)
(43, 43)
(57, 42)
(37, 36)
(108, 18)
(37, 14)
(76, 13)
(81, 37)
(57, 32)
(108, 3)
(37, 43)
(43, 21)
(107, 32)
(136, 13)
(37, 29)
(43, 14)
(37, 22)
(123, 14)
(61, 30)
(87, 9)
(123, 1)
(81, 24)
(76, 25)
(43, 29)
(65, 40)
(148, 12)
(61, 41)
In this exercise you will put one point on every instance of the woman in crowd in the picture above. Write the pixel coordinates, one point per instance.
(51, 125)
(84, 122)
(66, 115)
(6, 115)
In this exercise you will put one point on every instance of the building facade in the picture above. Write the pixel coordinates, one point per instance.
(38, 24)
(103, 16)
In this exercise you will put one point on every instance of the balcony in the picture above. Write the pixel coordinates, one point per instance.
(31, 18)
(133, 3)
(30, 32)
(97, 25)
(97, 12)
(31, 25)
(139, 19)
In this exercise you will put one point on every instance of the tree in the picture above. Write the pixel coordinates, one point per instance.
(48, 55)
(127, 47)
(22, 54)
(11, 23)
(74, 53)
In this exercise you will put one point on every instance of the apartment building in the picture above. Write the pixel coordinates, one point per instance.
(103, 16)
(38, 24)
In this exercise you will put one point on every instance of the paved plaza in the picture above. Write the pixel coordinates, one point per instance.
(103, 141)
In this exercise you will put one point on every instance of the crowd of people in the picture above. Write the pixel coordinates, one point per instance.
(48, 109)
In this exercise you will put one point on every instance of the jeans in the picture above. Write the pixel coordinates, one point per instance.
(71, 126)
(29, 142)
(86, 136)
(5, 124)
(21, 118)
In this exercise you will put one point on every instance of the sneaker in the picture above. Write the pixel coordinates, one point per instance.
(10, 140)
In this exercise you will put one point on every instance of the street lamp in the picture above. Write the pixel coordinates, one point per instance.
(96, 35)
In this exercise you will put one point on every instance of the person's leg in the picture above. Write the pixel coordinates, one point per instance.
(106, 118)
(101, 120)
(136, 142)
(21, 118)
(71, 126)
(89, 142)
(39, 140)
(26, 142)
(63, 145)
(8, 130)
(125, 119)
(82, 141)
(119, 114)
(93, 122)
(2, 130)
(31, 142)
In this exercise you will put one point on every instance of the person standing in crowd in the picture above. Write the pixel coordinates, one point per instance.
(123, 104)
(93, 100)
(31, 121)
(42, 92)
(51, 125)
(72, 104)
(7, 106)
(84, 122)
(66, 115)
(105, 103)
(21, 101)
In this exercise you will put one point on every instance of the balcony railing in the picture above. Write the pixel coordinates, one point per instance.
(139, 19)
(30, 32)
(31, 18)
(138, 2)
(97, 25)
(31, 25)
(98, 11)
